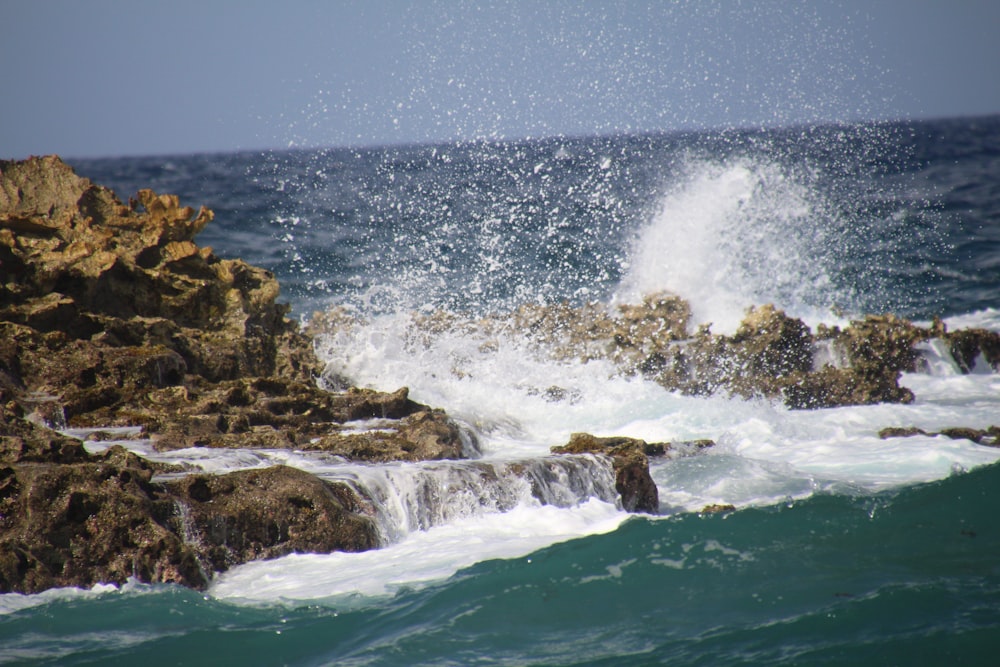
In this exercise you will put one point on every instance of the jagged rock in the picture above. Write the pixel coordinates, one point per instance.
(968, 345)
(111, 315)
(630, 459)
(111, 277)
(427, 435)
(114, 310)
(258, 514)
(82, 523)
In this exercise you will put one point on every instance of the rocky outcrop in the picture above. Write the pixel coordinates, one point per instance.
(100, 300)
(630, 460)
(256, 514)
(111, 315)
(771, 355)
(68, 518)
(114, 314)
(71, 519)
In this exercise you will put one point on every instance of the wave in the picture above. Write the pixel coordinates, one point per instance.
(731, 234)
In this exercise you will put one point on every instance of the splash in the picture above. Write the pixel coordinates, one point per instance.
(735, 233)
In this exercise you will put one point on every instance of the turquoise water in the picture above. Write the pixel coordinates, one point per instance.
(905, 577)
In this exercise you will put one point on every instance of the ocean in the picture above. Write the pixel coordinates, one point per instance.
(842, 548)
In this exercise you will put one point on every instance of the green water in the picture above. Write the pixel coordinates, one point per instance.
(910, 577)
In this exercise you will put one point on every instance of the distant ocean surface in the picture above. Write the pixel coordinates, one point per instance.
(844, 548)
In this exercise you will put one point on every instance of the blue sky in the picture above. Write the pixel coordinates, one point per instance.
(134, 77)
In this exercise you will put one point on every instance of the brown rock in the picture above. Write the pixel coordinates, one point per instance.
(24, 442)
(78, 524)
(112, 315)
(631, 465)
(258, 514)
(427, 435)
(967, 345)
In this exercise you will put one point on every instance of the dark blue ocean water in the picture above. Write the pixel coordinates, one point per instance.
(898, 217)
(903, 215)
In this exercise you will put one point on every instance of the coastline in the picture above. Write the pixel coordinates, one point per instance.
(112, 316)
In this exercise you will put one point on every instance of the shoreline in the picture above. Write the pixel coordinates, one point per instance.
(113, 317)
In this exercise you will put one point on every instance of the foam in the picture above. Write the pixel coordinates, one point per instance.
(350, 579)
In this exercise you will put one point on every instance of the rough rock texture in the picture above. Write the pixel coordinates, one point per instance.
(81, 520)
(630, 458)
(113, 314)
(100, 300)
(255, 514)
(771, 355)
(68, 518)
(110, 315)
(969, 346)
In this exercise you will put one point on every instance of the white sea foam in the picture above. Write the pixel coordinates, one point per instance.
(13, 602)
(765, 452)
(424, 556)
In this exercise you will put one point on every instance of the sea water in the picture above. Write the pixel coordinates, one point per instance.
(843, 547)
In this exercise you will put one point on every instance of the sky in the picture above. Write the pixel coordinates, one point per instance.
(137, 77)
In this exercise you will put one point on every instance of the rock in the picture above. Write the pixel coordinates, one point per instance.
(718, 509)
(111, 315)
(114, 311)
(989, 436)
(631, 465)
(832, 387)
(259, 514)
(900, 432)
(427, 435)
(24, 442)
(82, 523)
(969, 345)
(109, 277)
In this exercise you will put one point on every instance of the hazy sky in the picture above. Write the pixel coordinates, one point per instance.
(136, 77)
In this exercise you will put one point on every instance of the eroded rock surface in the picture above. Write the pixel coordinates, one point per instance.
(111, 315)
(771, 355)
(630, 458)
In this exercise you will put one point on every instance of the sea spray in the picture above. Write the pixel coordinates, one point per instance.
(732, 234)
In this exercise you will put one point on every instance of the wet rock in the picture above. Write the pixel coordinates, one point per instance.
(718, 508)
(82, 523)
(427, 435)
(22, 441)
(989, 437)
(111, 315)
(259, 514)
(832, 387)
(900, 432)
(967, 346)
(630, 460)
